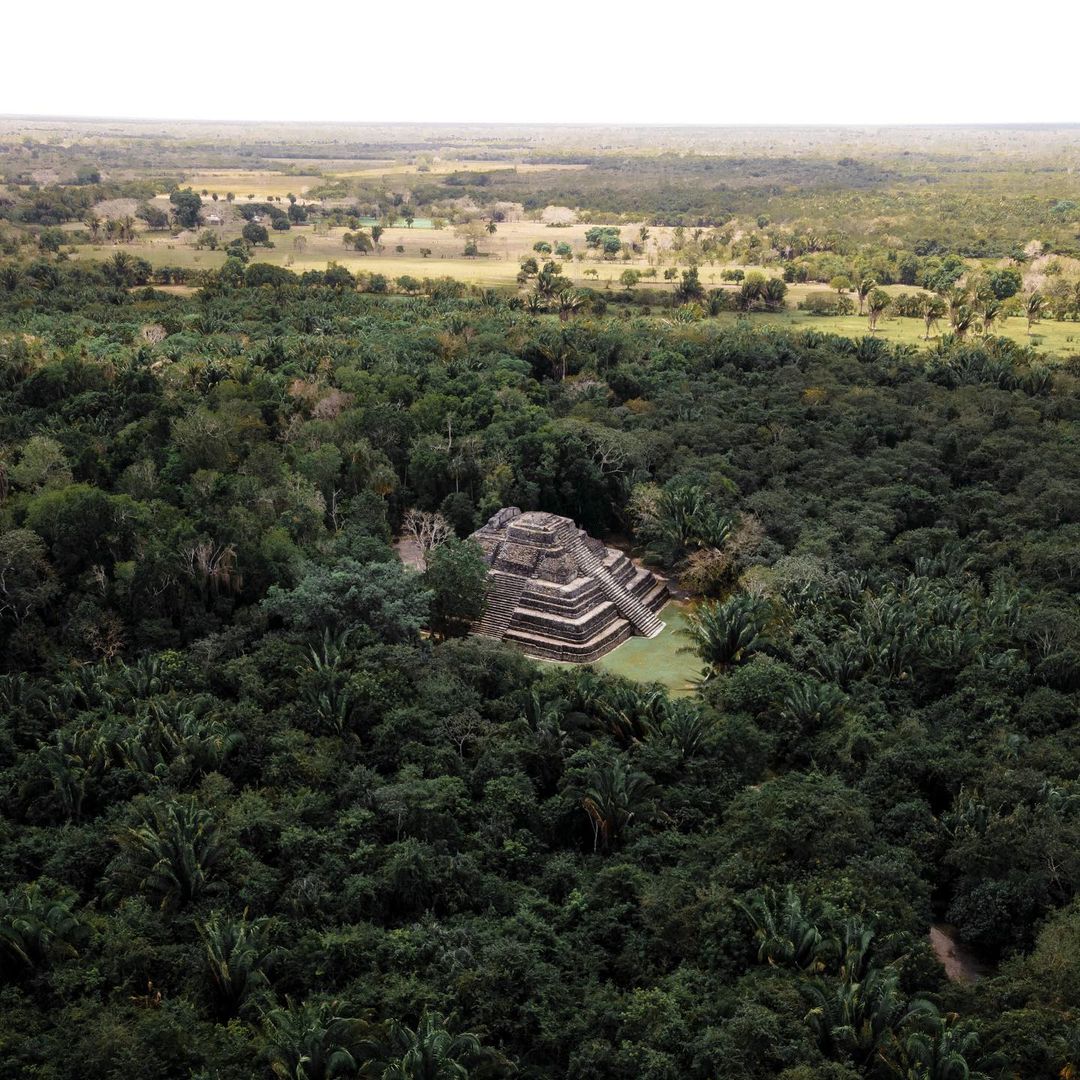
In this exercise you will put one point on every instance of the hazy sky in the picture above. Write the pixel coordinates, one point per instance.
(690, 62)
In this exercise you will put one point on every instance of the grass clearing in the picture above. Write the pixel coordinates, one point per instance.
(257, 182)
(658, 659)
(303, 248)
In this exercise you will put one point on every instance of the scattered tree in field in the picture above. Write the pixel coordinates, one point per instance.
(690, 288)
(877, 303)
(1034, 309)
(359, 241)
(989, 312)
(255, 234)
(773, 293)
(155, 218)
(932, 310)
(863, 289)
(186, 208)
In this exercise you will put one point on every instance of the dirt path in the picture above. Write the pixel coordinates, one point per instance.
(408, 551)
(959, 962)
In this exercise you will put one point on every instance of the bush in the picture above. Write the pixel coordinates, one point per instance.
(823, 303)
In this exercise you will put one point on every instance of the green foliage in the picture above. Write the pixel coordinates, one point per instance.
(258, 818)
(186, 208)
(456, 577)
(381, 598)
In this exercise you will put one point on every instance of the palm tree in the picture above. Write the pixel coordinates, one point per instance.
(614, 795)
(311, 1042)
(989, 311)
(729, 633)
(558, 349)
(327, 683)
(813, 704)
(630, 712)
(773, 293)
(857, 1017)
(877, 303)
(932, 308)
(940, 1050)
(787, 932)
(957, 301)
(567, 302)
(863, 290)
(173, 854)
(686, 727)
(535, 304)
(1036, 306)
(236, 953)
(35, 929)
(492, 228)
(72, 761)
(680, 517)
(962, 321)
(93, 223)
(428, 1052)
(10, 277)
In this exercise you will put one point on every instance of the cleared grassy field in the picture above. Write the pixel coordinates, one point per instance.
(255, 182)
(658, 659)
(443, 167)
(302, 248)
(1058, 338)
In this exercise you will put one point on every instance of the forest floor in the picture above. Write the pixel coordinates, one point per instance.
(959, 962)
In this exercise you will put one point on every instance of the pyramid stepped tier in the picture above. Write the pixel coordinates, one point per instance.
(504, 592)
(557, 593)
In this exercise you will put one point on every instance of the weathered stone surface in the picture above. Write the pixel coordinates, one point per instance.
(559, 594)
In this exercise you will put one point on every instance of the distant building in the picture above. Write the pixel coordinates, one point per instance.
(213, 219)
(557, 593)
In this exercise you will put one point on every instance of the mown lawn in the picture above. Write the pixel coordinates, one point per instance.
(658, 659)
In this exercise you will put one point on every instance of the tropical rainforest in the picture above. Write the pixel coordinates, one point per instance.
(267, 809)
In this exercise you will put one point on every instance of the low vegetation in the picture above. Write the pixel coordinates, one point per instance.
(267, 810)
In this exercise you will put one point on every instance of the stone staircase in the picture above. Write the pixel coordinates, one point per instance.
(641, 618)
(502, 598)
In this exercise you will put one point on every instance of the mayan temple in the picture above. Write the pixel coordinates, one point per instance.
(557, 593)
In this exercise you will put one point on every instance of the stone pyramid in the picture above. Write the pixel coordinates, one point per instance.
(557, 593)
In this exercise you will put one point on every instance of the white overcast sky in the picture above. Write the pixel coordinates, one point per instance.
(806, 62)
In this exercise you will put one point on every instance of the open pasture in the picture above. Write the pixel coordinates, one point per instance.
(257, 182)
(302, 248)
